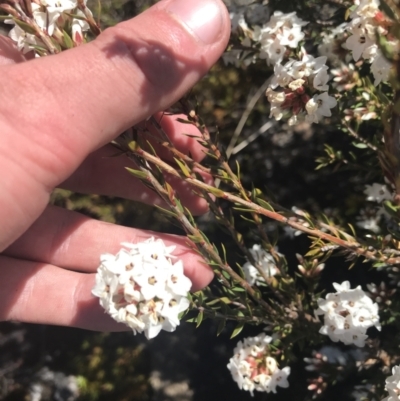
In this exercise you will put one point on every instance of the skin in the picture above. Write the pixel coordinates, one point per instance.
(57, 117)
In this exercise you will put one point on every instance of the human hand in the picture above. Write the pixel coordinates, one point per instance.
(57, 115)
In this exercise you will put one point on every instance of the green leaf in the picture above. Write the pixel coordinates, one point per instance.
(26, 27)
(264, 204)
(137, 173)
(359, 145)
(237, 330)
(238, 289)
(76, 16)
(199, 319)
(224, 252)
(221, 326)
(213, 302)
(183, 167)
(165, 211)
(217, 192)
(69, 44)
(195, 238)
(133, 145)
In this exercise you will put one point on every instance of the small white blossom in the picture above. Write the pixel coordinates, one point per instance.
(319, 106)
(282, 31)
(141, 287)
(298, 81)
(266, 263)
(370, 218)
(393, 385)
(274, 97)
(380, 68)
(358, 43)
(348, 314)
(377, 192)
(320, 80)
(368, 21)
(253, 369)
(53, 18)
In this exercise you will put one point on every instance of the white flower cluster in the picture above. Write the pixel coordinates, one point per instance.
(264, 260)
(51, 16)
(252, 367)
(393, 385)
(300, 82)
(367, 21)
(141, 287)
(348, 314)
(282, 31)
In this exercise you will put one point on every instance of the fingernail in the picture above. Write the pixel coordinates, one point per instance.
(202, 17)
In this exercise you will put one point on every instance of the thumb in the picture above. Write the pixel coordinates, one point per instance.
(60, 108)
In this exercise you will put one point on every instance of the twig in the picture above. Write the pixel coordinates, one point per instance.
(249, 108)
(207, 249)
(361, 139)
(295, 222)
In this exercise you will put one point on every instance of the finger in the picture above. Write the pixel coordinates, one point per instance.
(72, 241)
(182, 135)
(41, 293)
(104, 173)
(80, 99)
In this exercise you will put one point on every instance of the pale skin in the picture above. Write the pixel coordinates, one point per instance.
(58, 115)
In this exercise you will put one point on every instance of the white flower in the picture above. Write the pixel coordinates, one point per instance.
(319, 106)
(276, 112)
(320, 80)
(238, 20)
(296, 84)
(24, 41)
(380, 68)
(279, 378)
(393, 385)
(282, 31)
(274, 97)
(79, 26)
(366, 9)
(51, 16)
(307, 66)
(141, 287)
(293, 120)
(348, 314)
(377, 192)
(265, 261)
(370, 218)
(254, 369)
(282, 76)
(358, 43)
(273, 53)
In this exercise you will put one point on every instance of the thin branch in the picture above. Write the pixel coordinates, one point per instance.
(249, 108)
(205, 247)
(295, 222)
